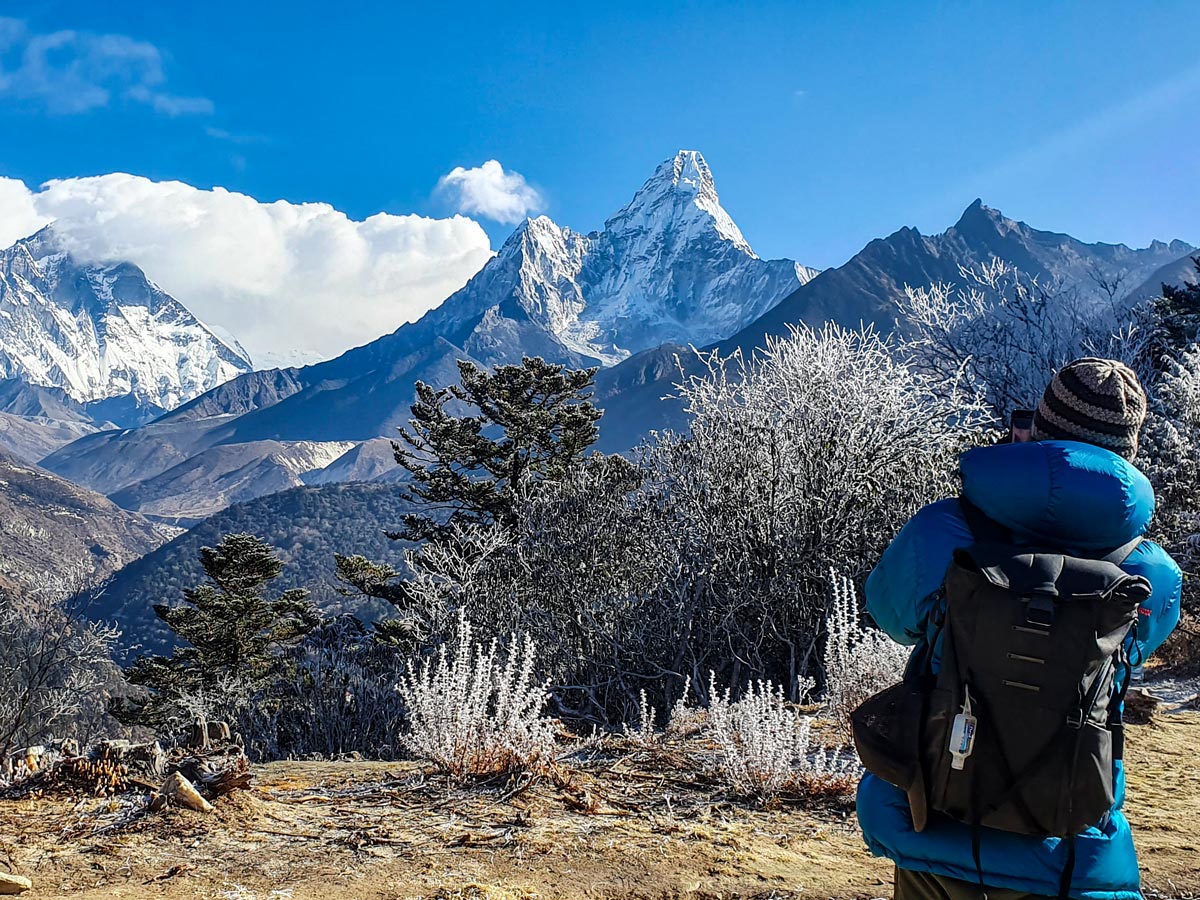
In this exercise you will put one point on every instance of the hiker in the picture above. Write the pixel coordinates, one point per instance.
(1073, 494)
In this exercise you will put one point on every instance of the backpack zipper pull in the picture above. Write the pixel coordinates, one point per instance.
(962, 733)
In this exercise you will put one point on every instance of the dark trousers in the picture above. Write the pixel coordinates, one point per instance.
(924, 886)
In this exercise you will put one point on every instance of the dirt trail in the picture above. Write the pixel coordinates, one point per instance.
(635, 828)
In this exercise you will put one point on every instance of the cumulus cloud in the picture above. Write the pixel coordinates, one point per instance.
(490, 191)
(290, 281)
(75, 71)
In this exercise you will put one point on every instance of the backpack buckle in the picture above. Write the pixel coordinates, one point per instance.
(1075, 719)
(1039, 610)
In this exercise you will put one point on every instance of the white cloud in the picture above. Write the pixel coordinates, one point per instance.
(489, 191)
(19, 216)
(288, 280)
(76, 71)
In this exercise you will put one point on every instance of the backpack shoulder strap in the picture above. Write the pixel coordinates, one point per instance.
(983, 528)
(1120, 554)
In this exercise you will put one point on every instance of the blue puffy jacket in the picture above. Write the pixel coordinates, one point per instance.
(1071, 496)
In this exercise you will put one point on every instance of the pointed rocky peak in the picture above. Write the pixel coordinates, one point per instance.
(979, 220)
(532, 235)
(978, 214)
(687, 174)
(680, 194)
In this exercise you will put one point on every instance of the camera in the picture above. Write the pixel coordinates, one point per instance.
(1020, 426)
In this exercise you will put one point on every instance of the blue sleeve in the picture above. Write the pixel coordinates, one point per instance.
(902, 588)
(1159, 615)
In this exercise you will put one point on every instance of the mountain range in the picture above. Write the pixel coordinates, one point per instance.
(669, 266)
(865, 290)
(113, 385)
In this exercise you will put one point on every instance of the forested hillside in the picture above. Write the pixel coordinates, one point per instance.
(307, 525)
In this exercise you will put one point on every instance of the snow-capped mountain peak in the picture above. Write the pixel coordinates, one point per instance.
(101, 331)
(669, 267)
(681, 194)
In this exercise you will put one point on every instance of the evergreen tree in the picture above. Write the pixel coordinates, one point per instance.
(234, 635)
(1177, 319)
(533, 421)
(474, 452)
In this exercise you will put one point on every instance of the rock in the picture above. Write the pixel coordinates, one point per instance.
(1140, 706)
(14, 884)
(218, 731)
(180, 791)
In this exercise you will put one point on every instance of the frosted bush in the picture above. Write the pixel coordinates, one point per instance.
(685, 720)
(644, 732)
(1006, 333)
(812, 453)
(337, 695)
(858, 661)
(474, 714)
(1169, 454)
(766, 747)
(56, 669)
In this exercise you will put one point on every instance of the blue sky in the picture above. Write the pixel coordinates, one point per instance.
(826, 124)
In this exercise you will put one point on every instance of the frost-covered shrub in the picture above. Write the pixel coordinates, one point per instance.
(56, 669)
(1006, 333)
(858, 661)
(810, 455)
(337, 693)
(685, 720)
(1169, 454)
(766, 747)
(643, 732)
(472, 713)
(580, 575)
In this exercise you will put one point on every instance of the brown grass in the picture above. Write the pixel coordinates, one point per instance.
(633, 821)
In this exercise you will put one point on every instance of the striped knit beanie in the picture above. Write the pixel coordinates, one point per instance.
(1097, 401)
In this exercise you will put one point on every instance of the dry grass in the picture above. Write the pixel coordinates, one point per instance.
(623, 819)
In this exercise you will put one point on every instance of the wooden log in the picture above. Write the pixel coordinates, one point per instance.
(182, 792)
(146, 761)
(198, 736)
(218, 771)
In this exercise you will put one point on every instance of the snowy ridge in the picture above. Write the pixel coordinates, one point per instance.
(103, 331)
(669, 267)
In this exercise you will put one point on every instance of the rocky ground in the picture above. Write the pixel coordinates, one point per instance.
(637, 823)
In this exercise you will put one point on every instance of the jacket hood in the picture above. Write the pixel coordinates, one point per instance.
(1065, 493)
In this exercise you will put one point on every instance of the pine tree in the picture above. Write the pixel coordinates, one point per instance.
(234, 635)
(534, 421)
(474, 452)
(1177, 319)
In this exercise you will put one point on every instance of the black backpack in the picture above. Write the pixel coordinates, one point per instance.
(1019, 728)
